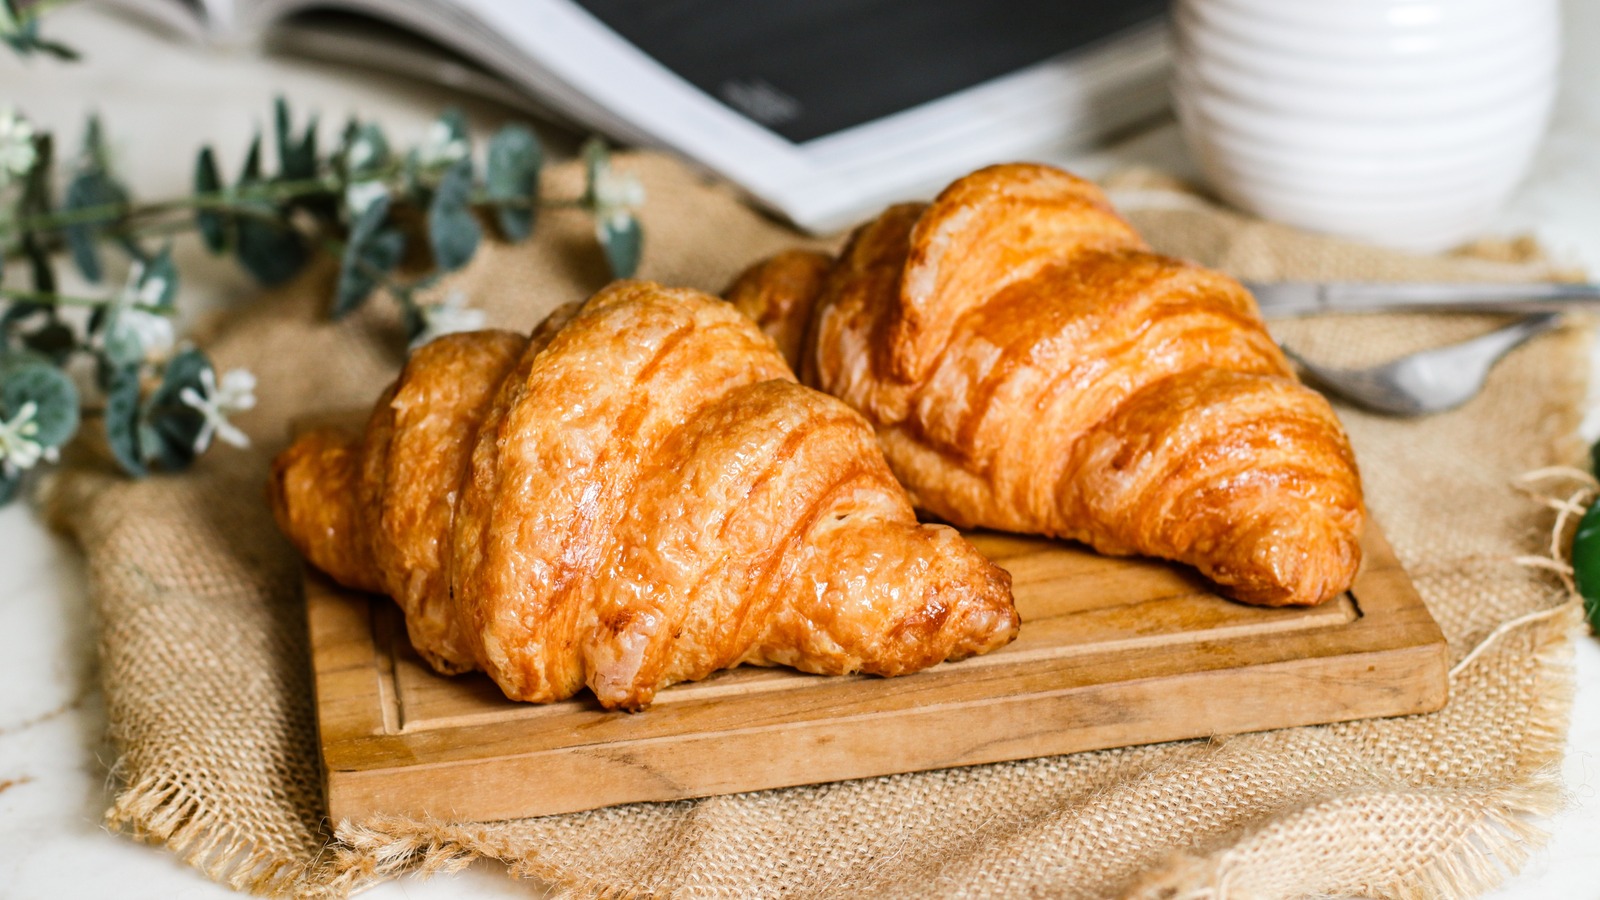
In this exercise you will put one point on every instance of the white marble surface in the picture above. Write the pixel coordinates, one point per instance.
(160, 100)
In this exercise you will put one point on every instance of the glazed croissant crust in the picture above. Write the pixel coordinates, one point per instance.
(1030, 365)
(640, 494)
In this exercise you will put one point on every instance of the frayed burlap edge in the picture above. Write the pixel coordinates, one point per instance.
(1488, 848)
(161, 811)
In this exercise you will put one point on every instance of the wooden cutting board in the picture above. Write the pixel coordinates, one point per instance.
(1112, 652)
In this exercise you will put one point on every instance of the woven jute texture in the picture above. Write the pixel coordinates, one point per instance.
(207, 685)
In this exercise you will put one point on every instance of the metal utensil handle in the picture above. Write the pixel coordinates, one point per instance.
(1344, 294)
(1302, 298)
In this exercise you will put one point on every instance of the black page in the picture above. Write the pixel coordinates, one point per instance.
(808, 68)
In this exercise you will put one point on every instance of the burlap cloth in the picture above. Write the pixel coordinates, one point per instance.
(208, 696)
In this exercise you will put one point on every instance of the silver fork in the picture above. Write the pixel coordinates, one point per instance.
(1429, 381)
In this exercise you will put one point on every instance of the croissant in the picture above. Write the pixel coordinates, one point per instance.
(638, 494)
(1030, 365)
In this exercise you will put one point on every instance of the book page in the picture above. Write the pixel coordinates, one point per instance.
(810, 68)
(819, 118)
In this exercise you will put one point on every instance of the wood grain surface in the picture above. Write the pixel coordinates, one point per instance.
(1112, 652)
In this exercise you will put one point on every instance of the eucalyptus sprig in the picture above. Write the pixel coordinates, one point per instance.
(19, 29)
(161, 401)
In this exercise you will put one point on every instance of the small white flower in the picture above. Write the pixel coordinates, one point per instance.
(19, 451)
(137, 291)
(616, 192)
(360, 196)
(16, 144)
(440, 146)
(235, 394)
(451, 316)
(130, 312)
(154, 331)
(363, 153)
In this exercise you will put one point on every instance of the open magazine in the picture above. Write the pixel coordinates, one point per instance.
(822, 110)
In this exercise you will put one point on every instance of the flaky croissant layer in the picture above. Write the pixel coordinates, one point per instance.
(1030, 365)
(640, 494)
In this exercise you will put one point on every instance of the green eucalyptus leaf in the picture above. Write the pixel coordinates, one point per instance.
(453, 231)
(268, 247)
(44, 273)
(21, 311)
(24, 38)
(158, 282)
(54, 339)
(623, 242)
(212, 223)
(36, 193)
(297, 156)
(512, 179)
(54, 48)
(455, 122)
(50, 390)
(90, 189)
(167, 440)
(94, 145)
(411, 178)
(366, 254)
(168, 426)
(380, 254)
(366, 151)
(280, 129)
(119, 349)
(122, 418)
(251, 172)
(411, 316)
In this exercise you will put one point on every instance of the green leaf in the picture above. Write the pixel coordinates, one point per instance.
(512, 179)
(623, 242)
(54, 339)
(120, 348)
(356, 280)
(159, 281)
(169, 426)
(212, 223)
(9, 483)
(36, 186)
(366, 150)
(280, 128)
(1586, 563)
(50, 390)
(122, 418)
(268, 247)
(44, 274)
(251, 172)
(21, 311)
(367, 252)
(453, 231)
(94, 145)
(89, 189)
(455, 122)
(411, 316)
(25, 39)
(297, 157)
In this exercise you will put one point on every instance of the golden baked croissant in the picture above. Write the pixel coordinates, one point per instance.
(1030, 365)
(640, 494)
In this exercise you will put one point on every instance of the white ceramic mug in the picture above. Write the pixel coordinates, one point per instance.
(1402, 122)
